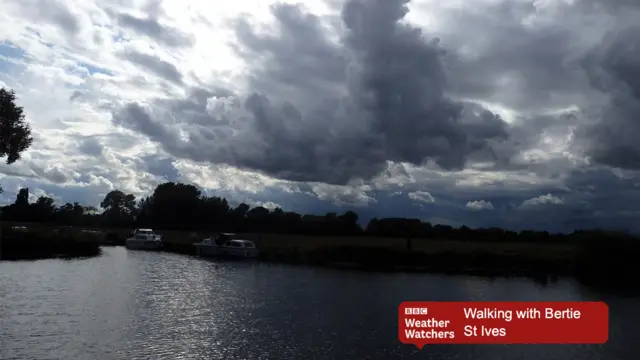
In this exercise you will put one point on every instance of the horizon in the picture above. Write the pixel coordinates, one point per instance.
(362, 222)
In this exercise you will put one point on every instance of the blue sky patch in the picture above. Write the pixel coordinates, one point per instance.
(10, 57)
(95, 69)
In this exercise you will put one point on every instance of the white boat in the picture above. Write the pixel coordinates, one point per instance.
(144, 239)
(224, 245)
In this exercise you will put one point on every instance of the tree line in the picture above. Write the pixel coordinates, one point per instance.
(182, 207)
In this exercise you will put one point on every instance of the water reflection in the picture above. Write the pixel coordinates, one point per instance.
(145, 305)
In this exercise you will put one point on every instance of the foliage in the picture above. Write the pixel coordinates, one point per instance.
(44, 210)
(24, 245)
(15, 132)
(118, 206)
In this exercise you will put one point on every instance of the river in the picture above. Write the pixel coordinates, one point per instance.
(145, 305)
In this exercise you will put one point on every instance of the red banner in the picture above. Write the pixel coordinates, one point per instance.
(421, 323)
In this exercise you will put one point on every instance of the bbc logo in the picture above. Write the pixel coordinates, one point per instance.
(416, 311)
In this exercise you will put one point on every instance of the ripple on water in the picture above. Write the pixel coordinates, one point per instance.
(146, 305)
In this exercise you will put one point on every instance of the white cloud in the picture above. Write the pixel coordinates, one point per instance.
(352, 195)
(421, 196)
(479, 205)
(547, 199)
(267, 205)
(34, 194)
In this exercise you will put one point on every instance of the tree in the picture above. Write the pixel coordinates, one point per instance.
(15, 132)
(118, 207)
(43, 209)
(176, 205)
(241, 210)
(22, 199)
(143, 213)
(117, 201)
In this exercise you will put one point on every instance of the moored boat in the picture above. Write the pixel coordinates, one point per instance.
(225, 245)
(144, 239)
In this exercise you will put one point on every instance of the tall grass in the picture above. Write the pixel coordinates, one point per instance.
(29, 245)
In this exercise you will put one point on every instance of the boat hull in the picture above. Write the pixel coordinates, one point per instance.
(226, 253)
(135, 244)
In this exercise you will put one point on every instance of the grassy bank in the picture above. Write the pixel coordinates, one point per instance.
(612, 264)
(596, 262)
(24, 245)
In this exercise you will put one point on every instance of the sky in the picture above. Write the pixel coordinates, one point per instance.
(515, 113)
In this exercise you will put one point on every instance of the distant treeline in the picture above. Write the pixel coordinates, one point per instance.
(176, 206)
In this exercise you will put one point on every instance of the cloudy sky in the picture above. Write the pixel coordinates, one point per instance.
(515, 113)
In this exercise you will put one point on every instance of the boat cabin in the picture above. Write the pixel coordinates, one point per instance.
(240, 244)
(228, 240)
(222, 238)
(144, 233)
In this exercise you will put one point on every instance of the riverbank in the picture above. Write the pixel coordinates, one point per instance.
(24, 245)
(611, 264)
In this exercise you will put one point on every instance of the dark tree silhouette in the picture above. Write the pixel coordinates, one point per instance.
(22, 199)
(119, 208)
(15, 132)
(171, 199)
(176, 206)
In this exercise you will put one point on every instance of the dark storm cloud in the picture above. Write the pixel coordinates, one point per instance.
(597, 197)
(56, 175)
(154, 64)
(531, 61)
(321, 111)
(90, 146)
(160, 166)
(507, 54)
(137, 118)
(193, 105)
(613, 6)
(590, 198)
(299, 55)
(614, 69)
(332, 108)
(151, 27)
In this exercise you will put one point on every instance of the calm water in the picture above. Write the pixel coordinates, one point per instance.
(144, 305)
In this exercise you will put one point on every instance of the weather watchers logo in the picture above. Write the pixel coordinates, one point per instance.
(422, 323)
